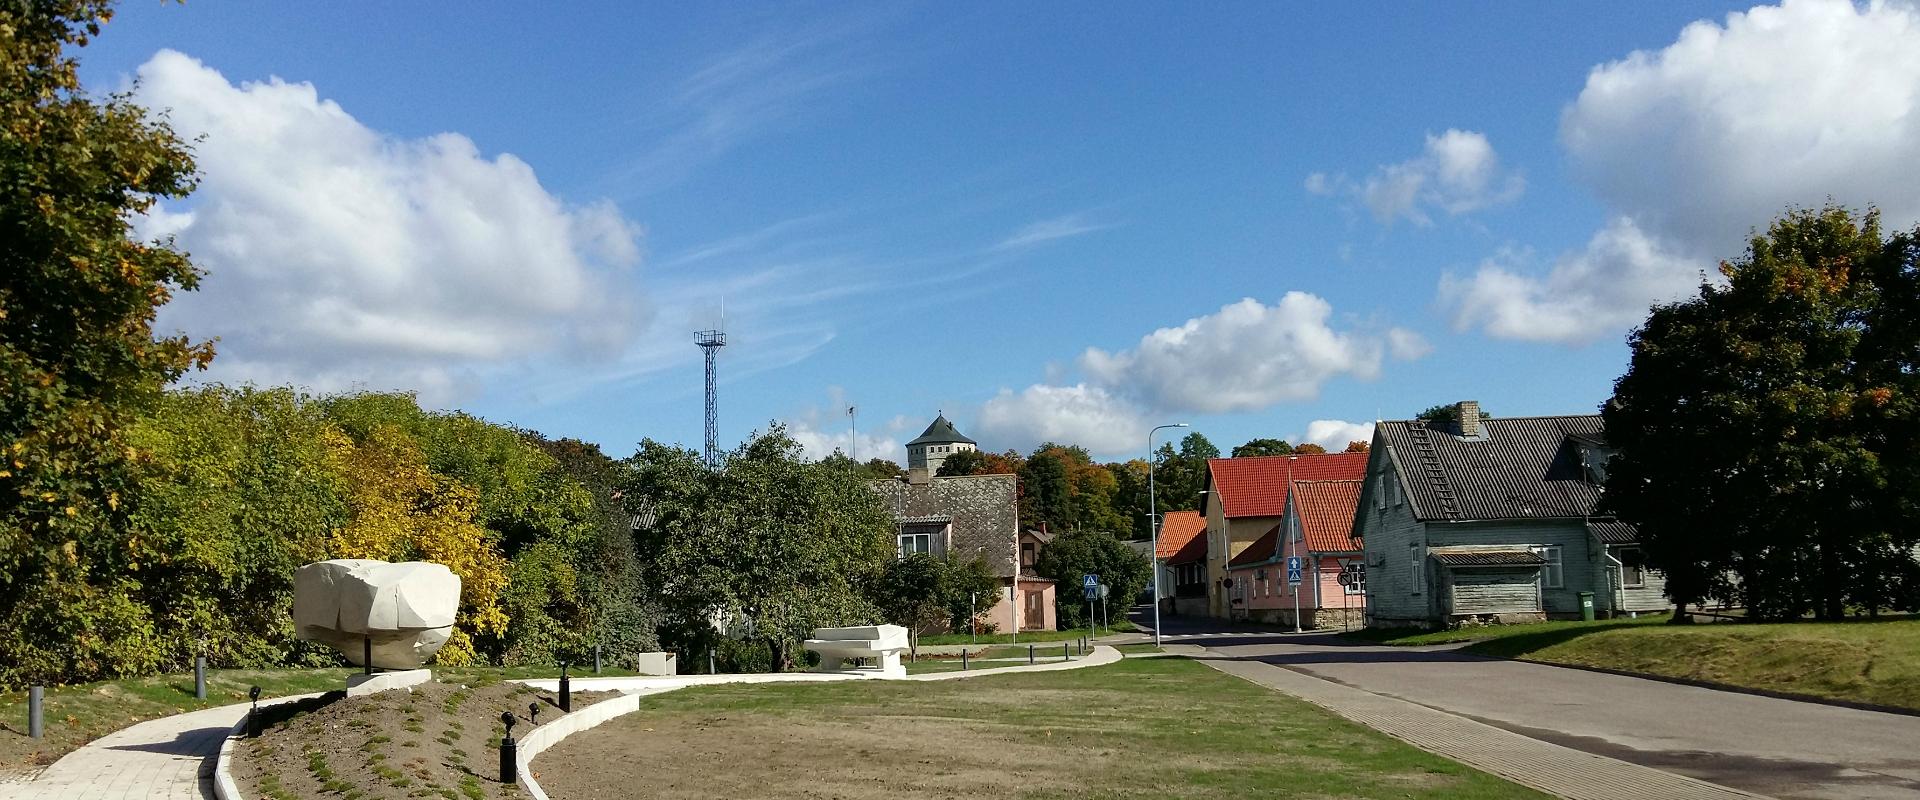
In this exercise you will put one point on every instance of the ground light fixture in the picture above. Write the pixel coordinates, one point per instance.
(1153, 522)
(509, 752)
(253, 714)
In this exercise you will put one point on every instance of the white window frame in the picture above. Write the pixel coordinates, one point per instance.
(1553, 574)
(1419, 569)
(1380, 491)
(1624, 566)
(900, 544)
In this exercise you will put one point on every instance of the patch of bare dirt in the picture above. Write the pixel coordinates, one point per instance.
(435, 740)
(748, 755)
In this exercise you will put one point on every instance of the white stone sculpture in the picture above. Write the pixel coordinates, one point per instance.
(403, 611)
(882, 643)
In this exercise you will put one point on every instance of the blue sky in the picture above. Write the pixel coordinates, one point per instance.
(910, 208)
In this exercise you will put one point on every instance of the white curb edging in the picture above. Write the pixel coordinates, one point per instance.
(544, 737)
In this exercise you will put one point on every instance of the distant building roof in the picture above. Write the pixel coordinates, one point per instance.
(1488, 558)
(1264, 549)
(941, 432)
(981, 509)
(1257, 487)
(1613, 532)
(1518, 468)
(1178, 529)
(1326, 511)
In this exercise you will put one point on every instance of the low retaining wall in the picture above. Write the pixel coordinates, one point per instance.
(542, 738)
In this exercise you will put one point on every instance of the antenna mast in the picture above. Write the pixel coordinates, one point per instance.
(710, 343)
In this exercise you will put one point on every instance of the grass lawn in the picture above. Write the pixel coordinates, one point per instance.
(976, 660)
(1140, 728)
(1138, 649)
(1862, 661)
(79, 714)
(1119, 626)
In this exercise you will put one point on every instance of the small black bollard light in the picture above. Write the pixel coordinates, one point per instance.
(1063, 652)
(253, 714)
(963, 659)
(566, 690)
(509, 752)
(533, 712)
(199, 677)
(1029, 655)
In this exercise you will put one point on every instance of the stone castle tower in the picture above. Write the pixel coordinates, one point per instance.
(932, 448)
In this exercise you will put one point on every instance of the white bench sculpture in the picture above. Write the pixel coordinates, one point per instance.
(882, 643)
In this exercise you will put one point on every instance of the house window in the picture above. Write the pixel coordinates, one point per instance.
(1419, 569)
(1380, 491)
(1393, 490)
(911, 543)
(1633, 568)
(1551, 571)
(1026, 554)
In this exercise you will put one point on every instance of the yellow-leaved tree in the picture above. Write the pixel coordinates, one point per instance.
(403, 511)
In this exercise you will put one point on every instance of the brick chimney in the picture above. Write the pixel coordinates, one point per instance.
(1468, 412)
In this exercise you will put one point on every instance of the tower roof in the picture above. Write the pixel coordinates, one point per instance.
(941, 432)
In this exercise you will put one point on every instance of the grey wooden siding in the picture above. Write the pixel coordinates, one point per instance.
(1483, 590)
(1393, 540)
(1579, 568)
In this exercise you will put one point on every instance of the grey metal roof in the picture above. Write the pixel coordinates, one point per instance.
(1519, 468)
(941, 432)
(1614, 532)
(1489, 558)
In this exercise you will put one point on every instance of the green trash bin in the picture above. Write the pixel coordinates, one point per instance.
(1586, 606)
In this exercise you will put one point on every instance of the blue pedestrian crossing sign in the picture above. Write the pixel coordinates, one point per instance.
(1293, 570)
(1090, 581)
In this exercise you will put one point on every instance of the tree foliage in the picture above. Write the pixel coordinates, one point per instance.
(1072, 555)
(1766, 428)
(925, 593)
(771, 543)
(1180, 475)
(78, 354)
(1263, 447)
(1309, 449)
(1445, 414)
(1357, 446)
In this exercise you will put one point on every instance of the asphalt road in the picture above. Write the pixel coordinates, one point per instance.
(1782, 748)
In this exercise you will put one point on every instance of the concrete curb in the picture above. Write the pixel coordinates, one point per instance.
(224, 786)
(632, 689)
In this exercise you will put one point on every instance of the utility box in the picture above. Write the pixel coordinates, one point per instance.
(1586, 606)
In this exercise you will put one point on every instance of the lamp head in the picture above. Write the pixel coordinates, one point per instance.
(506, 718)
(254, 694)
(533, 709)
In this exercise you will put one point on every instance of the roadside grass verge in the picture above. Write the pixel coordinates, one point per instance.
(983, 659)
(1864, 661)
(1533, 633)
(1139, 728)
(82, 713)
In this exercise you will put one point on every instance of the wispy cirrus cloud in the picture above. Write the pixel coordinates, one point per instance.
(1050, 230)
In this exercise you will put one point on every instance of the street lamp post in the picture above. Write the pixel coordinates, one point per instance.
(1153, 522)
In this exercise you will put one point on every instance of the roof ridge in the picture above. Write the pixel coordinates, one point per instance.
(1485, 420)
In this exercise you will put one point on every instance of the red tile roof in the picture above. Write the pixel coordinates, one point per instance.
(1265, 548)
(1257, 487)
(1183, 537)
(1326, 510)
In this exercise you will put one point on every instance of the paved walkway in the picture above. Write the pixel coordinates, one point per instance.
(170, 758)
(1550, 768)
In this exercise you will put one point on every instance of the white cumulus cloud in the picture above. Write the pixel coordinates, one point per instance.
(821, 432)
(1458, 172)
(1089, 416)
(340, 256)
(1334, 434)
(1244, 357)
(1603, 288)
(1714, 135)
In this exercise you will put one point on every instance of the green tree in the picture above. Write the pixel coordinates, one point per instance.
(1445, 414)
(1180, 475)
(770, 542)
(1047, 491)
(925, 593)
(1764, 427)
(78, 354)
(1072, 555)
(965, 462)
(1310, 449)
(1130, 496)
(1263, 447)
(882, 469)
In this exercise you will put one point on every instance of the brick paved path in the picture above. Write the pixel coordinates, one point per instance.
(170, 758)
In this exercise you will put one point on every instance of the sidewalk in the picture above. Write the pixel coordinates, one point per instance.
(1530, 762)
(170, 758)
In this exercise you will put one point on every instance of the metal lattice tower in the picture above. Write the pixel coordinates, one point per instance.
(710, 343)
